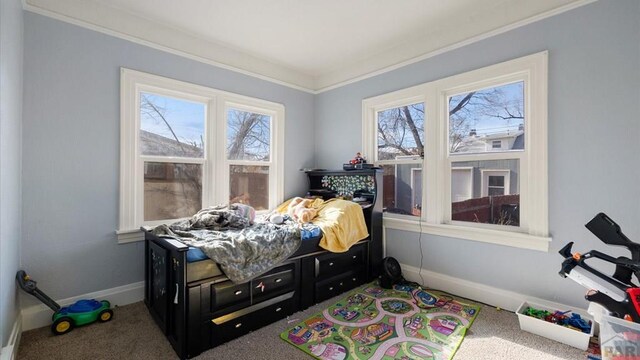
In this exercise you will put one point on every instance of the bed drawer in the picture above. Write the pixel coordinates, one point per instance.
(332, 264)
(230, 326)
(227, 294)
(329, 288)
(277, 281)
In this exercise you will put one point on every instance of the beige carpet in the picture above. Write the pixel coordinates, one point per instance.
(132, 334)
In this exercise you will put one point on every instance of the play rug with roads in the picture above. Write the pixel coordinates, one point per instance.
(405, 322)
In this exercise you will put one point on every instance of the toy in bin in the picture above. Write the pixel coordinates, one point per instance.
(573, 321)
(82, 312)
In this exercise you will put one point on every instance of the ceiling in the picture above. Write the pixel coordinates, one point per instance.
(313, 45)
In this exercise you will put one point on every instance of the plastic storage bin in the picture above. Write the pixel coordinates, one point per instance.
(553, 331)
(619, 339)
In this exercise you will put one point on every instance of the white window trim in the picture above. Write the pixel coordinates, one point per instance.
(484, 182)
(215, 165)
(533, 232)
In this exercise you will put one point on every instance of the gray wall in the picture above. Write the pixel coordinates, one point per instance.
(11, 46)
(594, 127)
(71, 149)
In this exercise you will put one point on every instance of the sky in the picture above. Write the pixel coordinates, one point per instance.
(490, 125)
(185, 117)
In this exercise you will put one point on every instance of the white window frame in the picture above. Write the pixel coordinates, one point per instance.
(274, 185)
(484, 184)
(407, 97)
(493, 144)
(533, 232)
(215, 177)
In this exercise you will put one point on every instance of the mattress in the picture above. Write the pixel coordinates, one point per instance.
(200, 267)
(195, 254)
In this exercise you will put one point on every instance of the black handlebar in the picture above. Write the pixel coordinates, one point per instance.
(609, 232)
(30, 287)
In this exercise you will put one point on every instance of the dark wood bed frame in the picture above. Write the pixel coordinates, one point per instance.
(197, 307)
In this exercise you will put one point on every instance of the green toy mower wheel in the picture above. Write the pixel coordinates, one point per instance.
(62, 326)
(105, 315)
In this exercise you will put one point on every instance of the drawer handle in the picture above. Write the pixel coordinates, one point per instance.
(238, 292)
(354, 279)
(238, 325)
(330, 264)
(340, 284)
(278, 280)
(354, 256)
(278, 309)
(330, 288)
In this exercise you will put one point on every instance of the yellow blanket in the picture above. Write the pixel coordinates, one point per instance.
(341, 221)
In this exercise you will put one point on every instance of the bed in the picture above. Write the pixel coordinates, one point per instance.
(197, 306)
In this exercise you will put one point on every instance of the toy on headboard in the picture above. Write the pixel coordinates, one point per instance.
(358, 159)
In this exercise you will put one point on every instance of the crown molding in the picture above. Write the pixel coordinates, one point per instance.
(115, 22)
(379, 65)
(118, 23)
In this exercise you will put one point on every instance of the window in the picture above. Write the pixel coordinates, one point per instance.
(185, 147)
(482, 146)
(400, 146)
(248, 154)
(495, 186)
(496, 182)
(171, 146)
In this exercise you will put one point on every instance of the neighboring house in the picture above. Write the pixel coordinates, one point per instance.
(170, 188)
(164, 180)
(487, 190)
(477, 180)
(502, 141)
(157, 145)
(474, 179)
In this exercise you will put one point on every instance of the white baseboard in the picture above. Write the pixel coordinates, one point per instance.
(490, 295)
(40, 315)
(10, 352)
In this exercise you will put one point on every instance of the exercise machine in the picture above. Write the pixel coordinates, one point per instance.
(618, 293)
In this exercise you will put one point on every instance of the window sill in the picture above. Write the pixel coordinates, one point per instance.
(506, 238)
(129, 236)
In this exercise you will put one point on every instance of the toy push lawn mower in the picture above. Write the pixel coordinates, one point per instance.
(82, 312)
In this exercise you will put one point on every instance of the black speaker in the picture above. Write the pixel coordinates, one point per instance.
(391, 273)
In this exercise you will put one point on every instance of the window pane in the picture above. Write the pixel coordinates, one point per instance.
(487, 120)
(496, 180)
(248, 136)
(486, 192)
(171, 127)
(249, 185)
(171, 190)
(401, 132)
(402, 189)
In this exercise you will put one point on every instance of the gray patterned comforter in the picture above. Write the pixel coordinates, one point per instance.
(243, 250)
